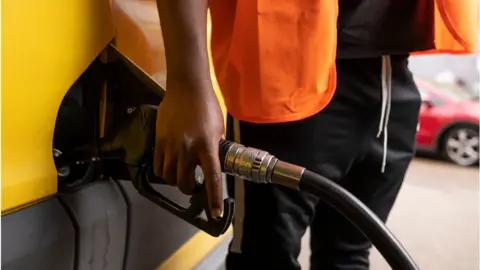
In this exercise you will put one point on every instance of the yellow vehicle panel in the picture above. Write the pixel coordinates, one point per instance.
(139, 37)
(46, 45)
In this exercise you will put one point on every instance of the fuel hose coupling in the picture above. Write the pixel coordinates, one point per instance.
(257, 165)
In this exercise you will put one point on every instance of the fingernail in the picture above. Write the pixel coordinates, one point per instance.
(217, 213)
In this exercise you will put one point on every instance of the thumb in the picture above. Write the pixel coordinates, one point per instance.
(212, 172)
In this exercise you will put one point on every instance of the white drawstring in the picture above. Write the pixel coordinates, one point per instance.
(386, 105)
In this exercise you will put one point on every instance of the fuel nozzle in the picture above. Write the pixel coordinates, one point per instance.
(257, 166)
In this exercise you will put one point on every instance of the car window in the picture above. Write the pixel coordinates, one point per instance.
(453, 91)
(427, 95)
(423, 93)
(437, 101)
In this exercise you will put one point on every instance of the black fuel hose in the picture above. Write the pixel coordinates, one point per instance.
(360, 216)
(260, 167)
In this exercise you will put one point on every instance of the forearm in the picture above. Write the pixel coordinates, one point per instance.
(184, 29)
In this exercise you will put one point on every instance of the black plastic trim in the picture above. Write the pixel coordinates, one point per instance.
(40, 236)
(77, 232)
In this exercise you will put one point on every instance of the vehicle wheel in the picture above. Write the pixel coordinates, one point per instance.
(460, 145)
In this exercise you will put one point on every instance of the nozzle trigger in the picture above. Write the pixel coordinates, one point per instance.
(191, 214)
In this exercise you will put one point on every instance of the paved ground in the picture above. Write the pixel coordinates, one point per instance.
(436, 217)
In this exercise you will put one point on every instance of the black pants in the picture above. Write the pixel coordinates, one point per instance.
(340, 143)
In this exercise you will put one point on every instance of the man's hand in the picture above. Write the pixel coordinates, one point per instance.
(189, 120)
(189, 127)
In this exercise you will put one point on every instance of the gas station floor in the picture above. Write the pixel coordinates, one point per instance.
(436, 217)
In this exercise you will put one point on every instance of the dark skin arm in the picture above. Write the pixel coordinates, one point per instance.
(189, 121)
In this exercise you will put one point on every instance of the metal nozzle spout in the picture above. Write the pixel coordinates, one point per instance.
(249, 163)
(258, 166)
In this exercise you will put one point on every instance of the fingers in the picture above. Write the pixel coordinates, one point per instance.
(180, 170)
(186, 175)
(212, 171)
(165, 164)
(170, 167)
(176, 171)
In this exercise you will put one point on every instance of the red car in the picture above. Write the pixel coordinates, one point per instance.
(449, 122)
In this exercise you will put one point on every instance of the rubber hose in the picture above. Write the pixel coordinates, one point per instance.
(361, 217)
(351, 208)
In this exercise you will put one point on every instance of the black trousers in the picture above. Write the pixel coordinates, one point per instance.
(340, 143)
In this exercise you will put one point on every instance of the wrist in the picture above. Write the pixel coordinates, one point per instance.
(190, 85)
(193, 69)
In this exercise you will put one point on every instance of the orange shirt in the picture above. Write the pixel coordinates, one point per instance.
(274, 59)
(457, 25)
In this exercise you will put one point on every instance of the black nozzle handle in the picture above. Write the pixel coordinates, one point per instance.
(224, 147)
(154, 179)
(198, 201)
